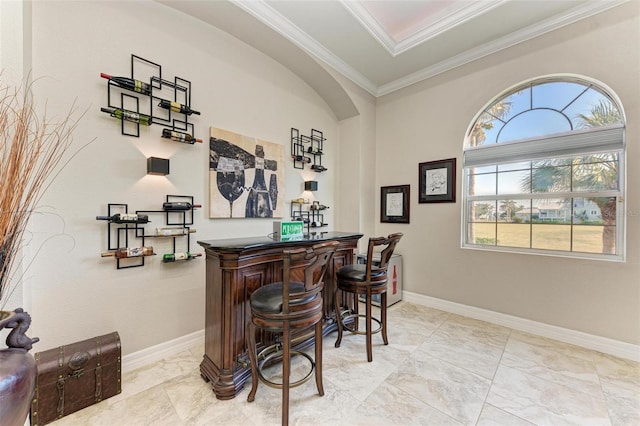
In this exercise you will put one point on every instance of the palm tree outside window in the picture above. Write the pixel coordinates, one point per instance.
(543, 168)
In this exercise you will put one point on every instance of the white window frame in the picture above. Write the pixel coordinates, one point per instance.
(609, 139)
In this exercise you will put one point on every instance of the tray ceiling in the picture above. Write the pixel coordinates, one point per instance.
(385, 45)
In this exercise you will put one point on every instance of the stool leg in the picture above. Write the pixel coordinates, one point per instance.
(286, 372)
(368, 325)
(250, 338)
(383, 311)
(338, 308)
(354, 301)
(318, 343)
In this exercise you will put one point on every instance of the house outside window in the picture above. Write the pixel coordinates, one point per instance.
(543, 169)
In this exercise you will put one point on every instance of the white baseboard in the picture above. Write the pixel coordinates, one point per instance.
(589, 341)
(602, 344)
(163, 350)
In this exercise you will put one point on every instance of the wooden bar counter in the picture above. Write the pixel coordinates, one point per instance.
(236, 268)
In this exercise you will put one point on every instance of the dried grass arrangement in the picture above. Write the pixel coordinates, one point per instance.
(32, 154)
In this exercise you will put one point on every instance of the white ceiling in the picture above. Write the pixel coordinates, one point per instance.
(385, 45)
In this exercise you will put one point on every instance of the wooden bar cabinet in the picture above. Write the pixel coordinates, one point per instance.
(234, 269)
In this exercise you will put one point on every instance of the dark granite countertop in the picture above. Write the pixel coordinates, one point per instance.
(250, 243)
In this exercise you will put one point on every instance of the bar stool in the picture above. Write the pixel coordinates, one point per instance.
(295, 303)
(364, 279)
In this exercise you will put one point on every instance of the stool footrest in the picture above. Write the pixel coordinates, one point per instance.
(345, 318)
(276, 354)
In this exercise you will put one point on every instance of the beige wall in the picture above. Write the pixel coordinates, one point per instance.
(427, 121)
(73, 293)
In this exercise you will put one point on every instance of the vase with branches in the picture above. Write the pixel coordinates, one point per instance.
(34, 148)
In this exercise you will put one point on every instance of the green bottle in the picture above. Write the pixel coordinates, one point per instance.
(174, 257)
(123, 114)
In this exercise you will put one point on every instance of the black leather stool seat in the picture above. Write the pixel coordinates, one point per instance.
(268, 299)
(358, 272)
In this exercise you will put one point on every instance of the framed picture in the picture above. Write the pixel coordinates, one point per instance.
(437, 180)
(394, 204)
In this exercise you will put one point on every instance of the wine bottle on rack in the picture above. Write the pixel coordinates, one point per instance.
(301, 158)
(122, 253)
(177, 107)
(123, 114)
(174, 257)
(129, 83)
(172, 232)
(179, 136)
(318, 168)
(179, 205)
(125, 218)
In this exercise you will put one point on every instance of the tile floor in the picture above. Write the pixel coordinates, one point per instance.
(438, 369)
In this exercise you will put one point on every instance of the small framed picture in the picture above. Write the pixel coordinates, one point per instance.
(394, 204)
(437, 180)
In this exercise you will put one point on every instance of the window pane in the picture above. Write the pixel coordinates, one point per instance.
(593, 109)
(514, 182)
(482, 233)
(482, 169)
(593, 175)
(482, 184)
(586, 211)
(482, 211)
(589, 238)
(516, 103)
(522, 165)
(507, 209)
(524, 212)
(557, 95)
(485, 130)
(550, 178)
(551, 211)
(514, 235)
(552, 236)
(534, 123)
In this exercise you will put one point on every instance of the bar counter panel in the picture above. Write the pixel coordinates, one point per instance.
(235, 268)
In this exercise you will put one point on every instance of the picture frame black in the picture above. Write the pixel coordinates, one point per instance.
(437, 181)
(395, 202)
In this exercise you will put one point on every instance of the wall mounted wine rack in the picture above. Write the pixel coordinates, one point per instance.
(122, 226)
(312, 218)
(169, 102)
(307, 149)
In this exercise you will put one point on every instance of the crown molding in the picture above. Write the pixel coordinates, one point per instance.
(451, 20)
(528, 33)
(260, 10)
(371, 24)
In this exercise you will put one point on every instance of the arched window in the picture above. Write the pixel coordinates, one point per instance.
(543, 171)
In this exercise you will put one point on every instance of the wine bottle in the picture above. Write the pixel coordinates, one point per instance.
(174, 257)
(179, 205)
(318, 168)
(177, 107)
(168, 232)
(301, 158)
(123, 114)
(129, 83)
(179, 136)
(125, 218)
(129, 252)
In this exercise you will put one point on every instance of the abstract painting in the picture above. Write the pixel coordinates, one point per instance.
(244, 175)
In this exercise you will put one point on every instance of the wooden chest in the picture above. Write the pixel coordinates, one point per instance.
(76, 376)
